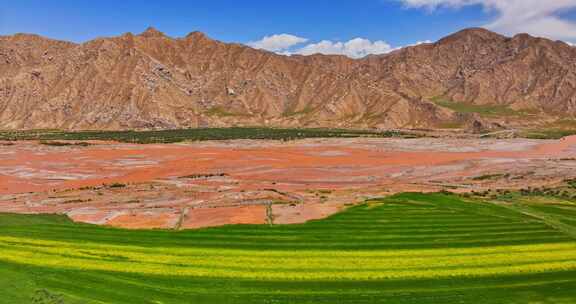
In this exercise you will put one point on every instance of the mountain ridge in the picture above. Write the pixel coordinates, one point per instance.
(153, 81)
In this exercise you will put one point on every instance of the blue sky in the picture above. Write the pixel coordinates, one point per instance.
(394, 22)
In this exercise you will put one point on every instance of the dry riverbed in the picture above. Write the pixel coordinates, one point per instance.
(192, 185)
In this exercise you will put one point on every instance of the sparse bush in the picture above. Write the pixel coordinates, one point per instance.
(64, 144)
(44, 296)
(115, 185)
(198, 176)
(571, 183)
(490, 176)
(445, 192)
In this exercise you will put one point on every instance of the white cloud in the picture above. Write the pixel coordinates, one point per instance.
(420, 42)
(355, 48)
(536, 17)
(287, 44)
(276, 43)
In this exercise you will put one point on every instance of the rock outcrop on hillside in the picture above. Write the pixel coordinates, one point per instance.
(151, 80)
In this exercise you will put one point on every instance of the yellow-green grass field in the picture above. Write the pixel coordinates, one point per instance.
(409, 248)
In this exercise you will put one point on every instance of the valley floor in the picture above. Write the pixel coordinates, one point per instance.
(487, 221)
(213, 183)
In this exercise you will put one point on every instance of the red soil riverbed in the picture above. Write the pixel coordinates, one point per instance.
(235, 181)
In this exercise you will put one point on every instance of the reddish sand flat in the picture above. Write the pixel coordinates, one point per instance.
(297, 213)
(215, 183)
(218, 216)
(143, 218)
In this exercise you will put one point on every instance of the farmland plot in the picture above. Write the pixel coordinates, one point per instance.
(409, 248)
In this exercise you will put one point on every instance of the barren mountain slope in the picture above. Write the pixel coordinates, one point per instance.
(154, 81)
(482, 67)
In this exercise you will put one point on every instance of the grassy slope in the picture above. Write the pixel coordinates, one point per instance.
(483, 110)
(554, 130)
(410, 248)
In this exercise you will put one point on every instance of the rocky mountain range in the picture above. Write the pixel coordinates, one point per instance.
(472, 79)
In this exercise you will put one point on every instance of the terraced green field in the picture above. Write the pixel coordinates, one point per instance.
(410, 248)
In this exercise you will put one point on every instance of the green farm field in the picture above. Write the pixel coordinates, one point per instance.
(408, 248)
(51, 137)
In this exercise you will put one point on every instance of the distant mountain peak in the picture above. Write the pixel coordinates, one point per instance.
(475, 33)
(196, 34)
(152, 32)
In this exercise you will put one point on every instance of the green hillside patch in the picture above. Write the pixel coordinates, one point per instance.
(489, 110)
(554, 130)
(547, 133)
(408, 248)
(222, 112)
(290, 113)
